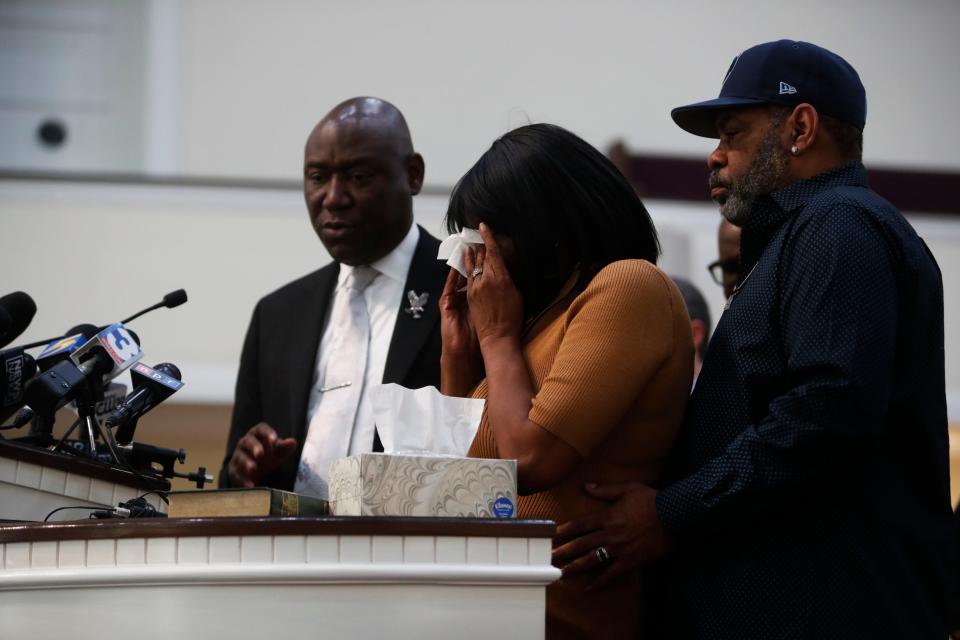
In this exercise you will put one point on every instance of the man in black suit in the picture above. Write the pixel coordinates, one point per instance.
(360, 174)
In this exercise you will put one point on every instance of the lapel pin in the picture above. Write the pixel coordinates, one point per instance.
(416, 303)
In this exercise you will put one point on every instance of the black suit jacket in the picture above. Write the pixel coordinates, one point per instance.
(280, 352)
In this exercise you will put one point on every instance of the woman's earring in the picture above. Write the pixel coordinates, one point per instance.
(795, 150)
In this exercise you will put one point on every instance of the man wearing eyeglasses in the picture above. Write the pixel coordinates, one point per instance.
(726, 268)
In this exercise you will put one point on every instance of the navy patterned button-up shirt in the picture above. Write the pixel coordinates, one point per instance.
(809, 488)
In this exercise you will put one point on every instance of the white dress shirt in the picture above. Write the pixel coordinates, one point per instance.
(382, 297)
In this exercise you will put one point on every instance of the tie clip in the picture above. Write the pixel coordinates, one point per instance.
(335, 386)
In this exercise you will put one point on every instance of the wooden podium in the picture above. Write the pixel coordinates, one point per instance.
(273, 578)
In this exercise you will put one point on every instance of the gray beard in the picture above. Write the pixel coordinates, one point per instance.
(764, 176)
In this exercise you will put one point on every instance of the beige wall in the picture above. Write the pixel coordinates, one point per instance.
(255, 75)
(230, 87)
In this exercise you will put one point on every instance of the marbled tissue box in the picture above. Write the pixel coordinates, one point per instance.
(386, 484)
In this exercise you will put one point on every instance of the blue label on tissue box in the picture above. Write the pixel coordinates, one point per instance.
(503, 507)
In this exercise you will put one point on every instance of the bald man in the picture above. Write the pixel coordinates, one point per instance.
(299, 404)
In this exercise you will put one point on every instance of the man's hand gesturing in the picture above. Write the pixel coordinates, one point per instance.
(258, 453)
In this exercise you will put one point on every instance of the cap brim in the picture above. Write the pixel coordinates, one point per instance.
(700, 119)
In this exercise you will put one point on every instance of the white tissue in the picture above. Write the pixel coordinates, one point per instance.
(424, 420)
(453, 248)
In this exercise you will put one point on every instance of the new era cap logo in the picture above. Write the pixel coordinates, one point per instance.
(786, 88)
(733, 65)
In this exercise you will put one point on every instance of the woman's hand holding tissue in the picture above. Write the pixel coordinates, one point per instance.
(496, 311)
(496, 306)
(461, 366)
(489, 308)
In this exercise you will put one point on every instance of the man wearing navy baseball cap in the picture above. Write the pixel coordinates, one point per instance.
(808, 494)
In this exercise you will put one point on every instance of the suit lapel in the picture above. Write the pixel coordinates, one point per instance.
(303, 342)
(409, 333)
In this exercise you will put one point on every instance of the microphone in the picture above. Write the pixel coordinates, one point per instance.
(113, 396)
(16, 312)
(109, 353)
(100, 359)
(151, 387)
(16, 369)
(144, 456)
(171, 300)
(60, 349)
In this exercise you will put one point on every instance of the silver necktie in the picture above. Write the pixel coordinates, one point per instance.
(340, 386)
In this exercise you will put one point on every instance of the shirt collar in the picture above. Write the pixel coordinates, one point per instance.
(772, 210)
(798, 194)
(395, 264)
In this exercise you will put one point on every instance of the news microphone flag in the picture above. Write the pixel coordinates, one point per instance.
(63, 345)
(119, 346)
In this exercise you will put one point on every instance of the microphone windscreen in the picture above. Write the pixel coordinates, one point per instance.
(20, 308)
(30, 367)
(174, 298)
(88, 330)
(170, 369)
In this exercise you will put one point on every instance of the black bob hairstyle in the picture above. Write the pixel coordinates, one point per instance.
(563, 204)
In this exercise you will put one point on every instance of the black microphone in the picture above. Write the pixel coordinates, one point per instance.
(5, 321)
(60, 349)
(18, 311)
(16, 369)
(151, 387)
(144, 456)
(86, 329)
(101, 358)
(171, 300)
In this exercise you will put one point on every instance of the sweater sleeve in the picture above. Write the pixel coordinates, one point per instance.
(618, 333)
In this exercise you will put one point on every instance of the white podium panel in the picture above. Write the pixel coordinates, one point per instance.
(264, 578)
(34, 482)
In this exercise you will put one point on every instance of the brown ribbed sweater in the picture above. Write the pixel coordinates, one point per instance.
(611, 367)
